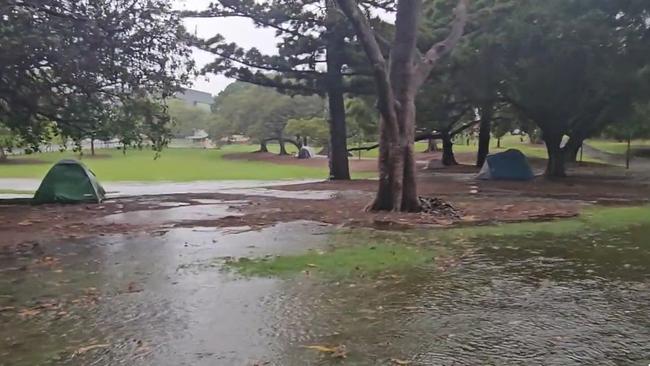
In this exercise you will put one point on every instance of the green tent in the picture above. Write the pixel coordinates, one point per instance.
(69, 181)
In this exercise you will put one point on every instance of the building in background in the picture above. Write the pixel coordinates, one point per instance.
(196, 98)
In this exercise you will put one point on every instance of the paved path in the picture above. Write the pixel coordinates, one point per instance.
(121, 189)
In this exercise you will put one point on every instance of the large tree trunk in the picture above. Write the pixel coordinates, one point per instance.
(338, 153)
(3, 155)
(396, 90)
(283, 150)
(555, 166)
(485, 126)
(448, 157)
(338, 148)
(92, 146)
(263, 147)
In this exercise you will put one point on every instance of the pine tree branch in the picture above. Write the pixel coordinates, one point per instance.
(442, 48)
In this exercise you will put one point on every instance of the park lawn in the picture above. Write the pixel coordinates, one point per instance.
(460, 146)
(172, 165)
(617, 147)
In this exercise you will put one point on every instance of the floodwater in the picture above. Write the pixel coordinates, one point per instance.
(166, 299)
(174, 214)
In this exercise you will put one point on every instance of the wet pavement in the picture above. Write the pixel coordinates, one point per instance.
(165, 298)
(122, 189)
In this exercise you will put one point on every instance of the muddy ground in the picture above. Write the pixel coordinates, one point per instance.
(332, 202)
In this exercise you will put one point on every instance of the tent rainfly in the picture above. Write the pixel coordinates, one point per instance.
(508, 165)
(69, 181)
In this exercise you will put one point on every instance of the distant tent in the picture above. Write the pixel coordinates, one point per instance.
(508, 165)
(69, 181)
(305, 152)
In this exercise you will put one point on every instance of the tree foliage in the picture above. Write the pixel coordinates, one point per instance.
(261, 112)
(70, 64)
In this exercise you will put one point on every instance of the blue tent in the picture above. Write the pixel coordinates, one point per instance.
(508, 165)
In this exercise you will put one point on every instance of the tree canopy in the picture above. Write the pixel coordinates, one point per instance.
(69, 65)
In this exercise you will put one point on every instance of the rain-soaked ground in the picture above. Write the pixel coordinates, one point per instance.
(123, 189)
(165, 298)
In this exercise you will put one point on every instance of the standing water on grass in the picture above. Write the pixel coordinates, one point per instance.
(173, 298)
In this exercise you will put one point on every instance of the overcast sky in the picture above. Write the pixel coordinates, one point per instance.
(239, 30)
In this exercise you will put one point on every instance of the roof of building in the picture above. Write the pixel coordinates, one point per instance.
(191, 95)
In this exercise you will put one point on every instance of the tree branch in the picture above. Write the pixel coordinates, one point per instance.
(442, 48)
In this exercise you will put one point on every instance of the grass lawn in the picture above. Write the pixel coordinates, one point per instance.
(617, 147)
(172, 165)
(507, 142)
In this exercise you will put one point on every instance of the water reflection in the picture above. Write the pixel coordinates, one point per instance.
(164, 300)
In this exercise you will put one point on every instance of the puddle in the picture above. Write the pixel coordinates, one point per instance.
(140, 295)
(170, 215)
(176, 204)
(300, 195)
(163, 300)
(206, 201)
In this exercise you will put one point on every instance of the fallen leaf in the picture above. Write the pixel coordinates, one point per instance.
(339, 351)
(91, 347)
(28, 313)
(323, 349)
(400, 362)
(133, 287)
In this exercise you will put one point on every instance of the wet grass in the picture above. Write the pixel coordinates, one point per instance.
(340, 262)
(172, 165)
(590, 219)
(371, 251)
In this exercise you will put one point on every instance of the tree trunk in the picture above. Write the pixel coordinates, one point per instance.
(555, 166)
(432, 146)
(397, 83)
(92, 146)
(485, 126)
(448, 157)
(628, 153)
(498, 142)
(406, 117)
(283, 150)
(3, 155)
(335, 45)
(263, 147)
(571, 149)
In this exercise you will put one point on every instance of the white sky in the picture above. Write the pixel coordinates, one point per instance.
(239, 30)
